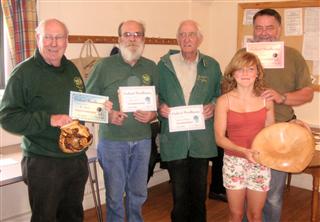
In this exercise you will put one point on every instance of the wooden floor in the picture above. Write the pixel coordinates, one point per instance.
(297, 203)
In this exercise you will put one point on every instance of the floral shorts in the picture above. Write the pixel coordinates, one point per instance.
(239, 173)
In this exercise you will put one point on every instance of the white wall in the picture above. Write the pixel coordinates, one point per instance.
(218, 20)
(310, 112)
(7, 139)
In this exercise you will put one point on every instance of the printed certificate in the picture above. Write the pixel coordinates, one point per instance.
(271, 54)
(186, 118)
(133, 98)
(88, 107)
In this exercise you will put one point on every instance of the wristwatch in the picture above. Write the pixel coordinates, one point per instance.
(283, 98)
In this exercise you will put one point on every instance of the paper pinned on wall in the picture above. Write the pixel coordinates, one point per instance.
(293, 21)
(248, 16)
(310, 47)
(246, 39)
(311, 19)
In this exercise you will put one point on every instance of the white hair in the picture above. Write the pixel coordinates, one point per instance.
(43, 23)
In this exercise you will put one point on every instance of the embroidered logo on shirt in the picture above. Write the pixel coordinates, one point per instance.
(146, 80)
(202, 79)
(79, 84)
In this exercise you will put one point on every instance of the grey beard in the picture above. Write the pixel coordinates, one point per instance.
(267, 39)
(130, 56)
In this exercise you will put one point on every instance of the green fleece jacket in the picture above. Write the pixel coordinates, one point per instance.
(106, 78)
(197, 143)
(34, 92)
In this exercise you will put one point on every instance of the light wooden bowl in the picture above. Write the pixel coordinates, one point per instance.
(287, 147)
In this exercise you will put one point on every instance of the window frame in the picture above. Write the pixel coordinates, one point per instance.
(2, 53)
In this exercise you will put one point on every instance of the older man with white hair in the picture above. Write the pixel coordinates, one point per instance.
(35, 104)
(188, 77)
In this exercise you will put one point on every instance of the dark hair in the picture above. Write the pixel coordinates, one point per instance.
(269, 12)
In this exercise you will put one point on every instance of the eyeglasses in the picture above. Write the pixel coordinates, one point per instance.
(137, 35)
(190, 35)
(57, 38)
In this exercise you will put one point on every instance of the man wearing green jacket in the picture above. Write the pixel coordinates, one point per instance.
(35, 104)
(188, 78)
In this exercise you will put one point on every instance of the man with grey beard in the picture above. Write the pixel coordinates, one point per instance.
(288, 87)
(125, 143)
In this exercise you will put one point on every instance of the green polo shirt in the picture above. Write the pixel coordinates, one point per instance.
(106, 78)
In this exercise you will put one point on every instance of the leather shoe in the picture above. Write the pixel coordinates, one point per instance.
(218, 196)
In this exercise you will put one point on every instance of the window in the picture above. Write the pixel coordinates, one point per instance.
(2, 72)
(6, 65)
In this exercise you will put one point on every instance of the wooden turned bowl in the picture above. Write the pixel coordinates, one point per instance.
(287, 147)
(74, 137)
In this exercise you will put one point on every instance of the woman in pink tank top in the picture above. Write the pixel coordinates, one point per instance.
(240, 114)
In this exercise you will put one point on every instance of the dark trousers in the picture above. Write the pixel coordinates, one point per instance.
(55, 187)
(189, 188)
(216, 185)
(154, 155)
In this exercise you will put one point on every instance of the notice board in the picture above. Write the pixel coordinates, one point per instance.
(291, 38)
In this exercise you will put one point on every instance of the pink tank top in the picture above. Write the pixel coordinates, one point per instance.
(243, 127)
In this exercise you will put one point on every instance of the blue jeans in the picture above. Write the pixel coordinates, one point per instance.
(273, 206)
(125, 170)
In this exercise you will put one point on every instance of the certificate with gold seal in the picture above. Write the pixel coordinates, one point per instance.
(88, 107)
(271, 54)
(133, 98)
(186, 118)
